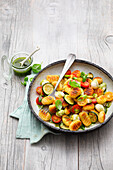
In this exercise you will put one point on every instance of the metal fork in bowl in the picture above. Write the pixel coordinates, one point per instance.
(69, 61)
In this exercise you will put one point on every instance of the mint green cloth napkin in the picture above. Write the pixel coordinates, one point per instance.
(29, 127)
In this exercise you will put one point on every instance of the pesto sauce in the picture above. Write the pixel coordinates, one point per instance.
(16, 62)
(21, 70)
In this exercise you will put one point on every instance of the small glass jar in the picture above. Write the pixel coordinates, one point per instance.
(17, 68)
(14, 64)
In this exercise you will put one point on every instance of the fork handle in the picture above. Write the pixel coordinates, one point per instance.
(69, 61)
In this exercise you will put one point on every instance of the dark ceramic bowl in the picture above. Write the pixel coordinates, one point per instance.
(56, 68)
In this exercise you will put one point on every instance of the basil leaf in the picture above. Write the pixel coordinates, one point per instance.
(31, 78)
(26, 79)
(40, 98)
(105, 109)
(75, 78)
(24, 83)
(82, 98)
(58, 104)
(83, 76)
(82, 127)
(36, 68)
(74, 84)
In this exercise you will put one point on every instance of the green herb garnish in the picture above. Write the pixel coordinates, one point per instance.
(24, 83)
(26, 78)
(84, 76)
(82, 98)
(31, 79)
(66, 76)
(105, 109)
(36, 68)
(40, 98)
(58, 104)
(82, 127)
(75, 78)
(95, 95)
(74, 84)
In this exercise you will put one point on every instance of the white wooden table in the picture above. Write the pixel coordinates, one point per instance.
(84, 27)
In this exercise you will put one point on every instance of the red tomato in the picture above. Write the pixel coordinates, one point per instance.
(85, 84)
(38, 102)
(68, 84)
(39, 90)
(76, 73)
(76, 109)
(94, 101)
(56, 119)
(68, 72)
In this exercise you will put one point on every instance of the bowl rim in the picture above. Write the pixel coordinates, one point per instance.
(59, 129)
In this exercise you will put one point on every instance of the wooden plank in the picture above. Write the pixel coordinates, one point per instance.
(53, 152)
(48, 31)
(94, 147)
(12, 93)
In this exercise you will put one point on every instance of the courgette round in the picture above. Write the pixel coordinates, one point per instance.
(47, 88)
(93, 116)
(68, 99)
(63, 126)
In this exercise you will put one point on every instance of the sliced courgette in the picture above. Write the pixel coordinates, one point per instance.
(93, 116)
(103, 86)
(68, 99)
(63, 126)
(48, 88)
(90, 75)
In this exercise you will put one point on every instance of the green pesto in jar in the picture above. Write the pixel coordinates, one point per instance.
(22, 70)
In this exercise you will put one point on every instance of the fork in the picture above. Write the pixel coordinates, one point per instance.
(69, 61)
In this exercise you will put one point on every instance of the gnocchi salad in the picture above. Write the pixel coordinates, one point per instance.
(81, 100)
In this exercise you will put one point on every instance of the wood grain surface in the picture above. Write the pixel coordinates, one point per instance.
(58, 27)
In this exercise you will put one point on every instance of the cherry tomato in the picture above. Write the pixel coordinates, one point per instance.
(76, 73)
(68, 72)
(85, 84)
(76, 109)
(94, 101)
(39, 90)
(38, 102)
(56, 119)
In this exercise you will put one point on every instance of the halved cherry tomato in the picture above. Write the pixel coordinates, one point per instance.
(76, 73)
(38, 102)
(76, 109)
(56, 119)
(85, 84)
(68, 72)
(94, 101)
(39, 90)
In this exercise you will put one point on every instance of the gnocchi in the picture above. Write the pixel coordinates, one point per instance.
(80, 100)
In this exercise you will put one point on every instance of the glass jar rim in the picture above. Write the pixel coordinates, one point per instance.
(18, 53)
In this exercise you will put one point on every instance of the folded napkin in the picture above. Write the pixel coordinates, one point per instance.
(29, 127)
